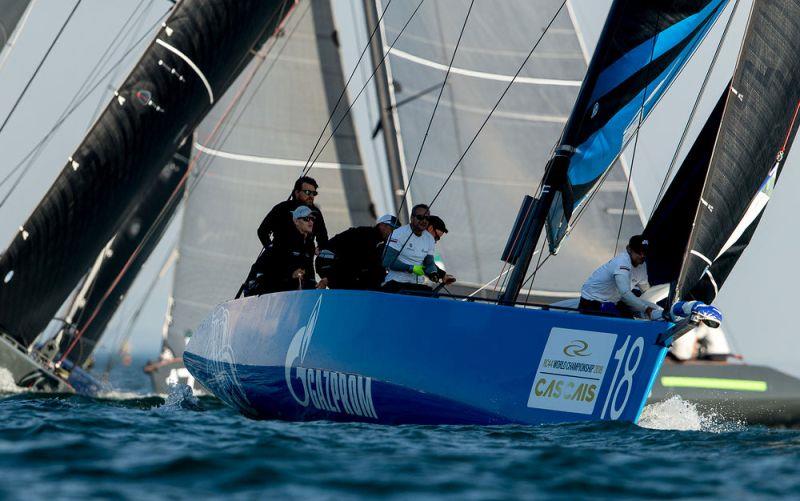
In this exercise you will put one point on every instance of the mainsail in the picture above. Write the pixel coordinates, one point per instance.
(195, 57)
(506, 162)
(119, 263)
(255, 161)
(643, 47)
(754, 138)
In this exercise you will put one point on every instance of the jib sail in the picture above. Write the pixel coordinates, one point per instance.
(643, 47)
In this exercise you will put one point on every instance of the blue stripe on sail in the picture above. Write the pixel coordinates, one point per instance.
(635, 59)
(595, 155)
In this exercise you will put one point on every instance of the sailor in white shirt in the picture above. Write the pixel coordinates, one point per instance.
(409, 254)
(609, 288)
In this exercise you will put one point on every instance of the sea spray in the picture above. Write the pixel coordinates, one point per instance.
(7, 384)
(678, 414)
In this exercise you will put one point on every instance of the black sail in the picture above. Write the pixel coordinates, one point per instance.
(670, 227)
(197, 54)
(122, 260)
(758, 125)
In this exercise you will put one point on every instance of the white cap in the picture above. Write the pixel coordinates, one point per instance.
(302, 211)
(390, 220)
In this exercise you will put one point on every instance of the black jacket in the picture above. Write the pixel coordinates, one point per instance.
(278, 223)
(358, 261)
(275, 265)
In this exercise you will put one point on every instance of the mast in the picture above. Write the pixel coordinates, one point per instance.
(387, 109)
(629, 71)
(195, 57)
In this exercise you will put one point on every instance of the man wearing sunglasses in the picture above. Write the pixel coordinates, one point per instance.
(438, 230)
(288, 262)
(278, 221)
(409, 254)
(353, 259)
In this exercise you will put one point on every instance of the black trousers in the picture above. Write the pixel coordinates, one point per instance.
(592, 307)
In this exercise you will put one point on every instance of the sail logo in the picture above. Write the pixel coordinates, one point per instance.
(577, 348)
(571, 370)
(325, 390)
(223, 365)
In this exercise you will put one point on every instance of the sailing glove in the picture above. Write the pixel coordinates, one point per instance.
(418, 270)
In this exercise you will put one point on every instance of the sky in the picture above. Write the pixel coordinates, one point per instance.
(757, 300)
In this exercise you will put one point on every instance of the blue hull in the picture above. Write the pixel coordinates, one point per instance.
(395, 359)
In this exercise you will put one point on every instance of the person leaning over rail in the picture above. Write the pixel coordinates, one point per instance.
(353, 259)
(409, 255)
(288, 263)
(609, 289)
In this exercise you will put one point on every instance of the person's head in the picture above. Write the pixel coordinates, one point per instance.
(303, 218)
(386, 224)
(305, 189)
(419, 218)
(436, 227)
(637, 249)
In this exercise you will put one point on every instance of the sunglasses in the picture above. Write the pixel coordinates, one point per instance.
(307, 219)
(419, 217)
(310, 193)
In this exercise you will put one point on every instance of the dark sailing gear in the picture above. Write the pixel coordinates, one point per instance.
(272, 271)
(353, 259)
(279, 222)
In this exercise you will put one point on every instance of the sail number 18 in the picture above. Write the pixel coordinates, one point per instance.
(623, 385)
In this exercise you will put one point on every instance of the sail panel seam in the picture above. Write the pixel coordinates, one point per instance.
(272, 160)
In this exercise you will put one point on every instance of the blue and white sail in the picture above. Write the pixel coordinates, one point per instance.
(643, 47)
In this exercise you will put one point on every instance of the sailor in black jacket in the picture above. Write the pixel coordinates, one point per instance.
(279, 220)
(288, 262)
(353, 259)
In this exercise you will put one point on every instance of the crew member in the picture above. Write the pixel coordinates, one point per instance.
(279, 220)
(701, 343)
(610, 288)
(288, 262)
(438, 230)
(409, 254)
(353, 259)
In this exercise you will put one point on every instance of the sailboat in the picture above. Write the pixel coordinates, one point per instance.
(153, 114)
(295, 355)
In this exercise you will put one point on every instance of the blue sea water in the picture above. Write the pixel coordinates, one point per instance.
(133, 446)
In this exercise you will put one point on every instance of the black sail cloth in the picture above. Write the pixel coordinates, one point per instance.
(195, 57)
(758, 125)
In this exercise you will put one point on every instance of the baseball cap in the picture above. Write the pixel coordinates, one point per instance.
(638, 243)
(302, 211)
(389, 219)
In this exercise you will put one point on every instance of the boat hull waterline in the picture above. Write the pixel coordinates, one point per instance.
(396, 359)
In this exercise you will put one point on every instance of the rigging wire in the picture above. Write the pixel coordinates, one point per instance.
(39, 66)
(61, 121)
(435, 107)
(363, 87)
(230, 125)
(306, 167)
(497, 104)
(695, 107)
(285, 13)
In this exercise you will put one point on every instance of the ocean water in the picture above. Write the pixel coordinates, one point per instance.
(131, 445)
